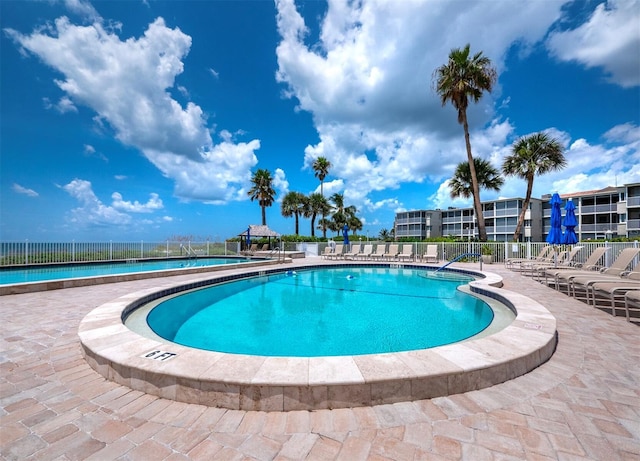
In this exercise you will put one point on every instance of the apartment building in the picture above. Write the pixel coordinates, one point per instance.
(603, 213)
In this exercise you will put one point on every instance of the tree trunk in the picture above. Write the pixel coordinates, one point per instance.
(297, 228)
(313, 225)
(475, 188)
(324, 228)
(525, 205)
(264, 215)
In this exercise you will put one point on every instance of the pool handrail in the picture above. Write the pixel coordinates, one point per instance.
(459, 257)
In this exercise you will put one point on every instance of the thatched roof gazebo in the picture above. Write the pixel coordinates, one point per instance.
(257, 230)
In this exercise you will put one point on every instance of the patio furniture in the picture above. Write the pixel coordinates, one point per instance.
(431, 255)
(407, 252)
(392, 253)
(355, 251)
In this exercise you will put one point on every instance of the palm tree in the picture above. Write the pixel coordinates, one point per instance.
(461, 79)
(315, 205)
(262, 191)
(342, 213)
(293, 204)
(321, 168)
(488, 178)
(531, 156)
(384, 235)
(354, 224)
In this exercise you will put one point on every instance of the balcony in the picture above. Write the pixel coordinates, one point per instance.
(633, 224)
(600, 228)
(633, 201)
(608, 208)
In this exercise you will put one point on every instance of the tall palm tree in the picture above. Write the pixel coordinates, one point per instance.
(531, 156)
(262, 191)
(487, 175)
(321, 167)
(315, 205)
(293, 204)
(466, 77)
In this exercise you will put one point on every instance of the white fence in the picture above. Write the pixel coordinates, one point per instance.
(22, 253)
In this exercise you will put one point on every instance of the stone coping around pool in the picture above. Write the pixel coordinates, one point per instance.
(46, 285)
(244, 382)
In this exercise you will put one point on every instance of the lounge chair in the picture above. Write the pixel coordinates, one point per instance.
(407, 252)
(355, 251)
(613, 291)
(631, 302)
(337, 253)
(431, 255)
(265, 247)
(545, 253)
(251, 250)
(392, 252)
(366, 253)
(611, 274)
(560, 275)
(327, 252)
(381, 249)
(565, 259)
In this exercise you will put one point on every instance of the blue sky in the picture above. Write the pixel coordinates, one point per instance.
(143, 120)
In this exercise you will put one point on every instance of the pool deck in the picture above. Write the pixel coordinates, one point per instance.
(582, 404)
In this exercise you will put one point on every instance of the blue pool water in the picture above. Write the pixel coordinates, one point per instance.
(68, 271)
(323, 312)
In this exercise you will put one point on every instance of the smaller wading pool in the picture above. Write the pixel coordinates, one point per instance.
(21, 279)
(247, 381)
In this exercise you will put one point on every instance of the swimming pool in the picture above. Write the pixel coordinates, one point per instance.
(115, 344)
(324, 312)
(82, 270)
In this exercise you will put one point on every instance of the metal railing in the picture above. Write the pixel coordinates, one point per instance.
(23, 253)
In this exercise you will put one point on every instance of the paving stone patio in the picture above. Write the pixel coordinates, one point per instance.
(583, 404)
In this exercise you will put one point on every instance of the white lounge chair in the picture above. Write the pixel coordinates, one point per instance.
(355, 251)
(327, 252)
(381, 249)
(431, 255)
(392, 252)
(366, 253)
(337, 253)
(565, 259)
(544, 254)
(407, 252)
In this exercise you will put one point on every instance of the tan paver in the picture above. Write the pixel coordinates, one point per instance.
(584, 403)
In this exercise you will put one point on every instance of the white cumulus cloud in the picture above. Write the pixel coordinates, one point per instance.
(609, 39)
(366, 81)
(154, 203)
(92, 212)
(379, 124)
(126, 82)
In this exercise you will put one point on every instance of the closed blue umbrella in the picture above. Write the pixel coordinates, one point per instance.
(345, 234)
(555, 233)
(570, 222)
